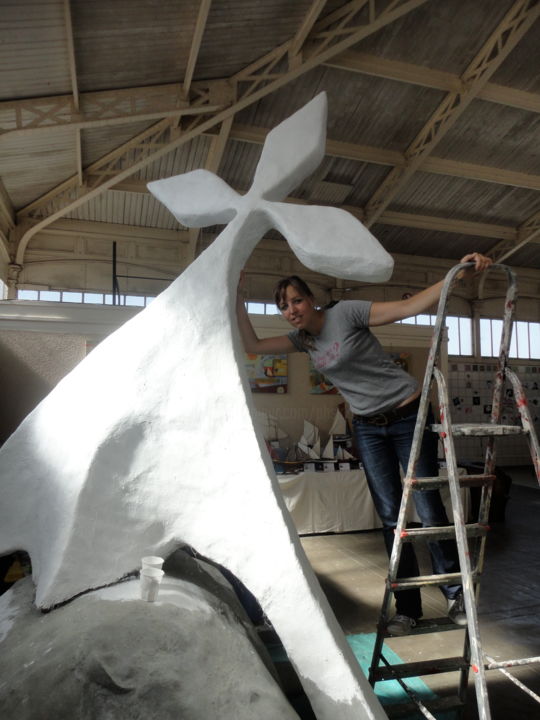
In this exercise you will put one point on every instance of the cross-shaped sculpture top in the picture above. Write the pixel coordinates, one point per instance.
(324, 239)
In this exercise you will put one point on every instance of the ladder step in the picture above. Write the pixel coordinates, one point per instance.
(482, 429)
(428, 625)
(408, 709)
(431, 625)
(419, 668)
(432, 483)
(443, 532)
(408, 583)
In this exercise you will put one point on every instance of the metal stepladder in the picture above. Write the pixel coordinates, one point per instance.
(470, 537)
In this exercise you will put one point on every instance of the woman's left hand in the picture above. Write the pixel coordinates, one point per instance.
(481, 262)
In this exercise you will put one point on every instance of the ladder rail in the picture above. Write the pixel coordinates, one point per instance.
(434, 351)
(472, 642)
(526, 420)
(472, 652)
(498, 387)
(413, 459)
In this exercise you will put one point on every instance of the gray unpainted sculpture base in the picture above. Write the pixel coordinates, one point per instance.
(108, 654)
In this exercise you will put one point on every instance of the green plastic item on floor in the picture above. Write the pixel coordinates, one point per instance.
(390, 692)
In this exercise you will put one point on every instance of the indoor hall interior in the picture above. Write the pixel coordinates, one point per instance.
(430, 144)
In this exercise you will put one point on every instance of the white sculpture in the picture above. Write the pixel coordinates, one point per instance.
(150, 441)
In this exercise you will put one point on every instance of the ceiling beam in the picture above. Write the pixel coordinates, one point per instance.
(218, 145)
(495, 50)
(7, 212)
(376, 66)
(114, 107)
(254, 82)
(306, 26)
(116, 231)
(483, 173)
(74, 86)
(442, 224)
(512, 97)
(198, 32)
(399, 219)
(527, 232)
(160, 101)
(4, 249)
(427, 77)
(71, 54)
(381, 156)
(108, 107)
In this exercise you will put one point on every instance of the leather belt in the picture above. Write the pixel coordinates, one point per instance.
(390, 416)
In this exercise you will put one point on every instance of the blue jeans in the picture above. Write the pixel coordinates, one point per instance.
(382, 450)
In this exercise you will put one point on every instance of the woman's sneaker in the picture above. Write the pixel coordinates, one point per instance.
(456, 610)
(400, 625)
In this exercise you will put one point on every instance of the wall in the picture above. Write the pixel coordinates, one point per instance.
(471, 388)
(76, 255)
(31, 364)
(39, 344)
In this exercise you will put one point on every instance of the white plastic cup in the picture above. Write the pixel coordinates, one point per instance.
(152, 561)
(150, 579)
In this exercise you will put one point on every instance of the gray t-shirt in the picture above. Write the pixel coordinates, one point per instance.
(352, 358)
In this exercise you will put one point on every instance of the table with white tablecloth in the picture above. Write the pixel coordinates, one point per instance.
(322, 502)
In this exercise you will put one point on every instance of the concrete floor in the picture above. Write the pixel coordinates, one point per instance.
(352, 567)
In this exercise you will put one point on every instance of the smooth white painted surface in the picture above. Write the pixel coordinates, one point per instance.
(150, 442)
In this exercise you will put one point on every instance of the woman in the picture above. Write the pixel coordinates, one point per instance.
(384, 402)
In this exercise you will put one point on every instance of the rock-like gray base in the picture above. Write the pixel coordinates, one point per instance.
(108, 655)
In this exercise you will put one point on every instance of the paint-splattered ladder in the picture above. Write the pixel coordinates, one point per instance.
(470, 537)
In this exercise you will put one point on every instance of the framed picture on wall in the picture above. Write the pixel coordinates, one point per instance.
(318, 383)
(267, 373)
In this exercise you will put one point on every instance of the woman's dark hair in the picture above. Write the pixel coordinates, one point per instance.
(297, 283)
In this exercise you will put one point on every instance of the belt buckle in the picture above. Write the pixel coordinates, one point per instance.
(380, 420)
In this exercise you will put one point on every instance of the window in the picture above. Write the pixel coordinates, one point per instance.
(256, 308)
(49, 295)
(93, 298)
(27, 295)
(78, 296)
(524, 343)
(459, 335)
(262, 308)
(75, 297)
(134, 300)
(459, 331)
(419, 320)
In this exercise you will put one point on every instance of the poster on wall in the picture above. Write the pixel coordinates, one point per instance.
(319, 384)
(267, 373)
